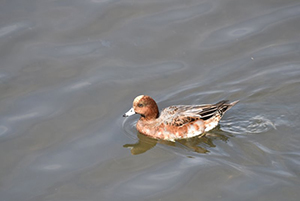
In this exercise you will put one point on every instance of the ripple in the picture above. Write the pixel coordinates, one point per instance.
(180, 14)
(252, 26)
(277, 50)
(84, 48)
(158, 179)
(37, 111)
(254, 125)
(10, 29)
(77, 86)
(134, 73)
(23, 116)
(3, 130)
(128, 126)
(52, 167)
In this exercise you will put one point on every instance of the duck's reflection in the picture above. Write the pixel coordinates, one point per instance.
(196, 144)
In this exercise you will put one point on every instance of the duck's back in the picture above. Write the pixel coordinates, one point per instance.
(179, 115)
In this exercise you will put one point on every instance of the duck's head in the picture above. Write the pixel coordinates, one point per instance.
(145, 106)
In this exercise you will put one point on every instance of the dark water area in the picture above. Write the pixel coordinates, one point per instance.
(70, 69)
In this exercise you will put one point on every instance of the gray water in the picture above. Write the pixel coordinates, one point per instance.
(70, 69)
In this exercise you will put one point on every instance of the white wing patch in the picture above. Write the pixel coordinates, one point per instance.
(211, 125)
(192, 131)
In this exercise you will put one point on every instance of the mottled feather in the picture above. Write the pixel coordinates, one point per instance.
(178, 121)
(179, 115)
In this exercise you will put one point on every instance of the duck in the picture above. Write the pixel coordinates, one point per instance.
(177, 121)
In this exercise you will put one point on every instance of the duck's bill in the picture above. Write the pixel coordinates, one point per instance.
(129, 113)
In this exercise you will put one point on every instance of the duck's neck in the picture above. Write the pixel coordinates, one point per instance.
(152, 114)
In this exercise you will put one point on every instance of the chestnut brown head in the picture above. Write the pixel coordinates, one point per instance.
(145, 106)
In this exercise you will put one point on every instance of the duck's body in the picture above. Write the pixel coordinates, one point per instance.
(178, 121)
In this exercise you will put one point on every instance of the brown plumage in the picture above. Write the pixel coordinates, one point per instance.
(178, 121)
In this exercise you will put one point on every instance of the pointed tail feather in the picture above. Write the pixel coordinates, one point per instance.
(234, 102)
(223, 107)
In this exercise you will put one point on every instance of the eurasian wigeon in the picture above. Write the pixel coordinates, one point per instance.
(177, 121)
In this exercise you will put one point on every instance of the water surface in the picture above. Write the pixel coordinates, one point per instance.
(70, 69)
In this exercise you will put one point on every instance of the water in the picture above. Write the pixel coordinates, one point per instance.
(70, 69)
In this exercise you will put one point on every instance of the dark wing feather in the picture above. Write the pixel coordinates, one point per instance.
(212, 110)
(179, 115)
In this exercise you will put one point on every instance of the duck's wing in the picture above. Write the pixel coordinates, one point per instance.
(179, 115)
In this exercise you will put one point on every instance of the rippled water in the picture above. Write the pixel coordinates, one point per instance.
(70, 69)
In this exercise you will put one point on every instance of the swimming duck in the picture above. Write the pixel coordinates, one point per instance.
(177, 121)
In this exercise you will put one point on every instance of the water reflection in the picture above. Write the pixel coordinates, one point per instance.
(198, 144)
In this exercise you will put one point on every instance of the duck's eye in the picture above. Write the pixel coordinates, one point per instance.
(140, 105)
